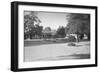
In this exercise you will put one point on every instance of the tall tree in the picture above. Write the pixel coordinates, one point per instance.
(38, 30)
(61, 32)
(30, 17)
(78, 24)
(47, 32)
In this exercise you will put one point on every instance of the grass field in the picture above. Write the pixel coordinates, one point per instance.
(43, 41)
(36, 42)
(44, 50)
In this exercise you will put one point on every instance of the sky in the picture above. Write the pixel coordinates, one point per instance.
(52, 19)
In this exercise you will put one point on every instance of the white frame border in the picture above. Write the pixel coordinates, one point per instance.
(22, 64)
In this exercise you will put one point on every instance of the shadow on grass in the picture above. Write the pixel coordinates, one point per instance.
(37, 43)
(70, 57)
(81, 56)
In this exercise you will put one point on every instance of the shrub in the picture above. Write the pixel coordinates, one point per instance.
(71, 44)
(71, 39)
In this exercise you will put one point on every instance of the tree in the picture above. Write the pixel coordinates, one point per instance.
(78, 24)
(47, 32)
(47, 29)
(38, 30)
(61, 32)
(30, 17)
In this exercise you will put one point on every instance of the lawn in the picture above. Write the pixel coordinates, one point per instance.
(43, 50)
(36, 42)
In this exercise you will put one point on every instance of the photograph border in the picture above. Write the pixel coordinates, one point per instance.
(14, 35)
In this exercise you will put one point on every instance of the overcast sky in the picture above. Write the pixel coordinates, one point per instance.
(52, 19)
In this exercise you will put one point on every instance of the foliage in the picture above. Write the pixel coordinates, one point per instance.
(47, 32)
(71, 39)
(61, 32)
(47, 29)
(31, 24)
(78, 24)
(71, 44)
(36, 31)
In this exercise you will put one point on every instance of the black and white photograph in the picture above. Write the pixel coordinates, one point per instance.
(56, 36)
(52, 36)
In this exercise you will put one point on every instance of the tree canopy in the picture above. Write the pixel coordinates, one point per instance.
(61, 32)
(78, 24)
(31, 24)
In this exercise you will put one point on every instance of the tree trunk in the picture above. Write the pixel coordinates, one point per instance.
(88, 36)
(77, 39)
